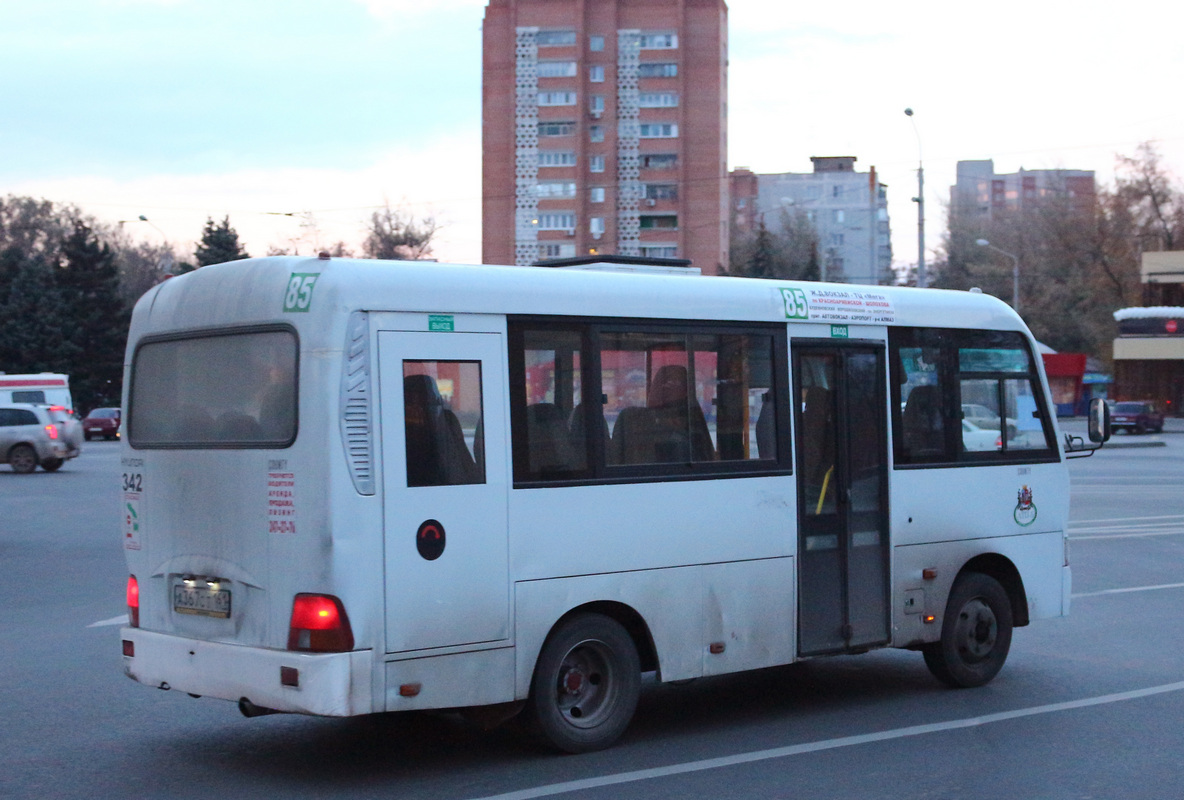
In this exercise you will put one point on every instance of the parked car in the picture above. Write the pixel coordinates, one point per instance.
(1138, 416)
(102, 422)
(986, 419)
(30, 436)
(976, 439)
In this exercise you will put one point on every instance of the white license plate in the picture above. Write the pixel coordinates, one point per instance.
(95, 430)
(201, 600)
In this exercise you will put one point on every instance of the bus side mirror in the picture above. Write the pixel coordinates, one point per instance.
(1099, 421)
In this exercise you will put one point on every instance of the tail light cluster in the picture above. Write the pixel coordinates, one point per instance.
(52, 430)
(319, 625)
(133, 602)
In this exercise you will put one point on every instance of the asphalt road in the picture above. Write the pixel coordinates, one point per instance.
(1088, 706)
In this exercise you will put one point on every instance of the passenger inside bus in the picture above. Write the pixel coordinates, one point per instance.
(436, 451)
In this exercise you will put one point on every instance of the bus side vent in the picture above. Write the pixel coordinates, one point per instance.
(357, 408)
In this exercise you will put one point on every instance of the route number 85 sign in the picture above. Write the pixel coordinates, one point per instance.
(299, 294)
(795, 304)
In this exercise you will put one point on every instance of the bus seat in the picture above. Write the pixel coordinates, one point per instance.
(633, 437)
(578, 432)
(547, 437)
(436, 451)
(922, 424)
(682, 433)
(766, 428)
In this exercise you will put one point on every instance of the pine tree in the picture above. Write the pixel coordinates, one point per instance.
(96, 319)
(219, 244)
(31, 340)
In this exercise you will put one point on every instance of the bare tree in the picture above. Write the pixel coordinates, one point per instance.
(394, 234)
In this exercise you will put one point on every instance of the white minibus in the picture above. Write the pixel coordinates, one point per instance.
(356, 486)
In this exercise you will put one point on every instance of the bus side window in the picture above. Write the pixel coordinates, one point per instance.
(438, 453)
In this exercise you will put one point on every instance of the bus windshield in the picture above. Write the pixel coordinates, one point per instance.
(225, 390)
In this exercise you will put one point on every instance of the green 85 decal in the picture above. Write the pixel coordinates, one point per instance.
(795, 304)
(298, 296)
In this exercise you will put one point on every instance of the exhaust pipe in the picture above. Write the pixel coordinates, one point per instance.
(249, 709)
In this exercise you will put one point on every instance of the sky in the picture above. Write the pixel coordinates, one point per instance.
(299, 119)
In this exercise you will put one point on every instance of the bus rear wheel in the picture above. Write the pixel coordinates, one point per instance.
(975, 634)
(586, 684)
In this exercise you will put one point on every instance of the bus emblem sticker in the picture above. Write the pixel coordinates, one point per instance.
(429, 540)
(1025, 509)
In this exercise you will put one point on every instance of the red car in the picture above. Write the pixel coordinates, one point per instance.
(102, 422)
(1137, 416)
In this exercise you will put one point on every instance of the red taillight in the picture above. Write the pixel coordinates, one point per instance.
(133, 601)
(319, 625)
(52, 430)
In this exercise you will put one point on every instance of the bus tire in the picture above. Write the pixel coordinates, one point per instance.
(585, 686)
(975, 634)
(23, 459)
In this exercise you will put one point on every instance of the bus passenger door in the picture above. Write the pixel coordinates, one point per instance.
(444, 481)
(843, 550)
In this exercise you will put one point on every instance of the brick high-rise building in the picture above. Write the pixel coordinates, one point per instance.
(605, 130)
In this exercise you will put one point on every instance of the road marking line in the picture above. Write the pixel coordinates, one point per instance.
(827, 744)
(120, 620)
(1131, 589)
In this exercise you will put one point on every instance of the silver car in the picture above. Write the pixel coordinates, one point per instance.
(30, 436)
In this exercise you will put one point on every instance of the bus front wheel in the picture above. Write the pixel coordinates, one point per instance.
(586, 684)
(975, 634)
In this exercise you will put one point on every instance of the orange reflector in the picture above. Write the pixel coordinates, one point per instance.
(716, 648)
(133, 602)
(929, 619)
(929, 573)
(410, 689)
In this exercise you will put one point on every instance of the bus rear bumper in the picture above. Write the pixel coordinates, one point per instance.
(326, 684)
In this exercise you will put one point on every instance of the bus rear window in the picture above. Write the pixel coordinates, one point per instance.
(224, 390)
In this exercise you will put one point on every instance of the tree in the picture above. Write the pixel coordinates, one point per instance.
(1155, 205)
(395, 235)
(97, 318)
(32, 338)
(219, 244)
(790, 254)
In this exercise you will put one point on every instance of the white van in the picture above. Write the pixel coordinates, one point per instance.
(43, 388)
(356, 486)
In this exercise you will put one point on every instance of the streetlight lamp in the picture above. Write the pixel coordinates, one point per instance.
(922, 278)
(1015, 271)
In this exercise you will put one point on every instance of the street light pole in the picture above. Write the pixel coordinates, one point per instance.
(1015, 271)
(922, 278)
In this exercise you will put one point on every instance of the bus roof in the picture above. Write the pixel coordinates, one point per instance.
(252, 291)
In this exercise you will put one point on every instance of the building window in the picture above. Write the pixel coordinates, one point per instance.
(665, 191)
(596, 73)
(837, 239)
(839, 215)
(836, 191)
(596, 226)
(557, 158)
(659, 41)
(658, 100)
(557, 221)
(557, 69)
(557, 98)
(556, 189)
(557, 128)
(558, 250)
(659, 130)
(596, 133)
(596, 104)
(596, 163)
(659, 161)
(659, 251)
(651, 222)
(555, 38)
(656, 70)
(596, 43)
(596, 194)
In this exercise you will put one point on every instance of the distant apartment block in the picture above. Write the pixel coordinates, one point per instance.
(849, 211)
(604, 130)
(981, 193)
